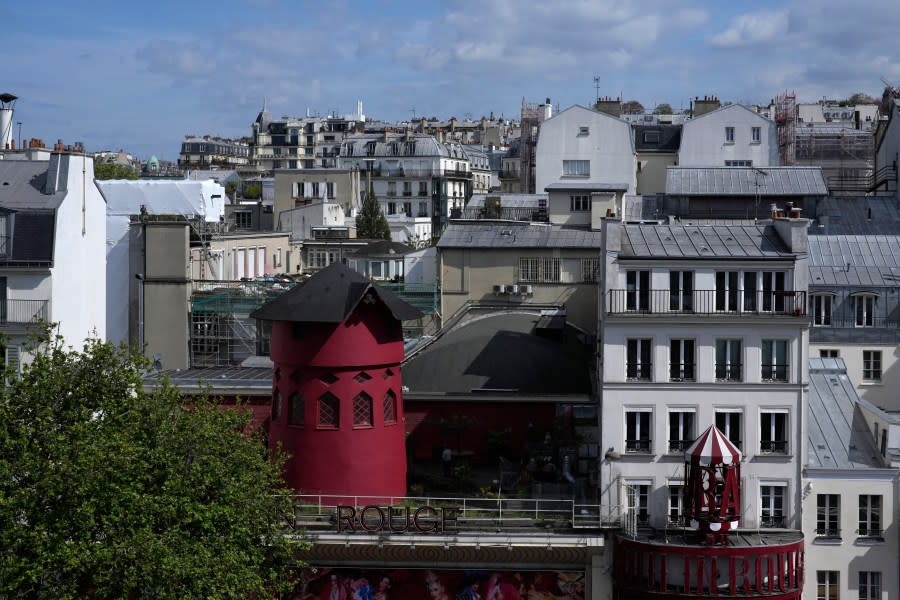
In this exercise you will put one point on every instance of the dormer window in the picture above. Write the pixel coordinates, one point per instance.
(864, 307)
(651, 137)
(370, 149)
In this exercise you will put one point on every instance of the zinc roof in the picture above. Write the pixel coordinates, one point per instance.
(854, 260)
(839, 437)
(743, 181)
(702, 241)
(514, 235)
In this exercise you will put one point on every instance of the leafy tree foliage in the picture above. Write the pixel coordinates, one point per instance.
(105, 170)
(371, 224)
(633, 107)
(109, 490)
(253, 191)
(860, 98)
(662, 109)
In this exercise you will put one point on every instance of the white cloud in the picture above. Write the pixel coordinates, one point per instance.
(752, 29)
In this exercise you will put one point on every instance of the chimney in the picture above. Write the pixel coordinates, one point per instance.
(609, 106)
(452, 124)
(705, 105)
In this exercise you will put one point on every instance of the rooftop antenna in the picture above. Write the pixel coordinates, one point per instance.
(413, 111)
(596, 88)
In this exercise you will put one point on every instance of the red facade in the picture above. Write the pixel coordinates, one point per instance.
(337, 406)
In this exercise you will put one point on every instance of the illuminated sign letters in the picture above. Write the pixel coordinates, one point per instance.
(396, 519)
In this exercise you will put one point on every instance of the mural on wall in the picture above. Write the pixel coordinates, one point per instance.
(431, 584)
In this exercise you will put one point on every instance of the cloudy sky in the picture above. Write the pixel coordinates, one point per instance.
(141, 75)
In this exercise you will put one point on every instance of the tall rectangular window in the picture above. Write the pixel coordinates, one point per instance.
(590, 268)
(681, 430)
(756, 134)
(821, 306)
(865, 310)
(681, 360)
(773, 432)
(828, 515)
(676, 504)
(729, 423)
(727, 291)
(871, 365)
(576, 168)
(773, 287)
(771, 503)
(637, 496)
(681, 290)
(774, 360)
(638, 361)
(637, 290)
(728, 360)
(638, 436)
(870, 585)
(729, 135)
(870, 516)
(826, 585)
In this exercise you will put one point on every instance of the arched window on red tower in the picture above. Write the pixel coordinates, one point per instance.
(390, 408)
(362, 410)
(296, 406)
(276, 404)
(329, 411)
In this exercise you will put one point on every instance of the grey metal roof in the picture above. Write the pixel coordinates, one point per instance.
(702, 241)
(515, 235)
(500, 352)
(669, 139)
(854, 260)
(22, 185)
(583, 186)
(743, 181)
(330, 296)
(848, 215)
(395, 146)
(839, 437)
(508, 200)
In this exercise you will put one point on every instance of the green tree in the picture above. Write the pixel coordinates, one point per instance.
(633, 107)
(662, 109)
(861, 98)
(112, 490)
(252, 191)
(230, 189)
(105, 170)
(371, 224)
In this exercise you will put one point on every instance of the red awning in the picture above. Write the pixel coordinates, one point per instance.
(712, 447)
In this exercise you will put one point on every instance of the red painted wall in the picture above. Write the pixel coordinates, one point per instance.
(361, 355)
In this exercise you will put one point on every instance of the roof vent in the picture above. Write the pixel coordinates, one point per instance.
(506, 232)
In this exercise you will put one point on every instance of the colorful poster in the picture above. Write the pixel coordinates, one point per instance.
(432, 584)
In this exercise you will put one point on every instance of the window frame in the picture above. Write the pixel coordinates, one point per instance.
(871, 508)
(728, 427)
(675, 512)
(576, 168)
(579, 203)
(686, 371)
(864, 310)
(768, 445)
(539, 269)
(639, 420)
(684, 429)
(828, 585)
(729, 134)
(828, 516)
(637, 498)
(822, 310)
(777, 516)
(636, 367)
(732, 346)
(778, 371)
(872, 366)
(869, 585)
(756, 135)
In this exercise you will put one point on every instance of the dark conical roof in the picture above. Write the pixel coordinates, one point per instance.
(330, 296)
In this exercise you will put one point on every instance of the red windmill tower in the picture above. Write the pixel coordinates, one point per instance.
(337, 406)
(713, 485)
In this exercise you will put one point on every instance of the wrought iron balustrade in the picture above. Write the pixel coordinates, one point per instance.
(707, 302)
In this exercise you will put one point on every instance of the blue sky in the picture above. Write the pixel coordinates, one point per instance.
(141, 75)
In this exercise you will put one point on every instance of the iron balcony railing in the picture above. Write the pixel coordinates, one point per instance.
(854, 323)
(24, 311)
(707, 302)
(871, 533)
(773, 447)
(772, 522)
(469, 514)
(828, 532)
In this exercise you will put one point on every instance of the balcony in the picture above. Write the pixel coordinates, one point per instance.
(24, 311)
(707, 302)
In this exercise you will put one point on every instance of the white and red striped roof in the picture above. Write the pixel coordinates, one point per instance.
(712, 447)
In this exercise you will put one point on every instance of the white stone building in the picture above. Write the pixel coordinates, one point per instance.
(703, 325)
(52, 250)
(733, 136)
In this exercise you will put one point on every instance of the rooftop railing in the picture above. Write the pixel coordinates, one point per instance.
(469, 514)
(707, 302)
(24, 311)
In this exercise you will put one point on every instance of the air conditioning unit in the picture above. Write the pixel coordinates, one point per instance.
(499, 288)
(526, 290)
(509, 289)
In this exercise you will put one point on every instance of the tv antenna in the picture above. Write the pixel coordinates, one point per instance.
(596, 88)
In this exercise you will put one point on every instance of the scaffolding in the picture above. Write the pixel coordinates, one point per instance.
(846, 156)
(532, 115)
(786, 124)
